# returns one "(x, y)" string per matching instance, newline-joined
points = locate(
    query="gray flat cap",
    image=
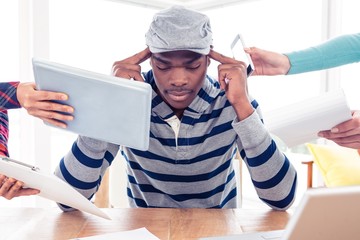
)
(179, 28)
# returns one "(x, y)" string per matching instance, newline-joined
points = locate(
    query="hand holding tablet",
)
(237, 48)
(107, 108)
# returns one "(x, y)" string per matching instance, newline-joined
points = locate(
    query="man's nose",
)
(179, 78)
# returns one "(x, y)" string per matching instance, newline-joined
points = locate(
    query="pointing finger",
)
(137, 58)
(221, 58)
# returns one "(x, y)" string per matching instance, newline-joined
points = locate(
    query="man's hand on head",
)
(232, 75)
(130, 68)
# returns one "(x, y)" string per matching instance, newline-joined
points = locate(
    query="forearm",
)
(4, 133)
(335, 52)
(86, 163)
(8, 97)
(272, 174)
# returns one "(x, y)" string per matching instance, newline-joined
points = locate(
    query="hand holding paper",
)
(346, 134)
(301, 122)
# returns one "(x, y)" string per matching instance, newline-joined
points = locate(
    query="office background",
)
(92, 34)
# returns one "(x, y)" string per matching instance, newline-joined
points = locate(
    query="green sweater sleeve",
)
(335, 52)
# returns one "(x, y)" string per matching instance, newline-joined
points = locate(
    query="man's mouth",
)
(178, 95)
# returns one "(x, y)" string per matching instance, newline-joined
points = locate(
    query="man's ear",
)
(208, 60)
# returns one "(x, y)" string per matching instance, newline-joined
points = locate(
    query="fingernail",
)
(334, 130)
(64, 97)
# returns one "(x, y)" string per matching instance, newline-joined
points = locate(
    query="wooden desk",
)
(34, 223)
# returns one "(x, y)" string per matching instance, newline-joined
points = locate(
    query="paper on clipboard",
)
(50, 186)
(300, 122)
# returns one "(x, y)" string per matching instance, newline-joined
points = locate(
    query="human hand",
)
(130, 67)
(40, 104)
(268, 63)
(346, 134)
(232, 77)
(10, 188)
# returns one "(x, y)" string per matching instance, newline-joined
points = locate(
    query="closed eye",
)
(193, 67)
(162, 68)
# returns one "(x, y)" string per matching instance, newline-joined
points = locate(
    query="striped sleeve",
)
(85, 164)
(8, 97)
(4, 133)
(272, 174)
(8, 100)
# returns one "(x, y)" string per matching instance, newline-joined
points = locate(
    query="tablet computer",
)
(107, 108)
(50, 186)
(237, 48)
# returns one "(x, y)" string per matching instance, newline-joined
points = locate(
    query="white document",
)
(300, 122)
(141, 233)
(50, 186)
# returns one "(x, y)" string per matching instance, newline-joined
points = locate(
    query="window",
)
(350, 74)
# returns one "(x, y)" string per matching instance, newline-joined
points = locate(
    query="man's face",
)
(179, 76)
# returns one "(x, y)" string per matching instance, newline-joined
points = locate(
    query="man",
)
(197, 125)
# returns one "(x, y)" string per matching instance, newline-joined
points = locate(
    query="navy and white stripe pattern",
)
(196, 172)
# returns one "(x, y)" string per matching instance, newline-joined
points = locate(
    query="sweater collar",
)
(209, 91)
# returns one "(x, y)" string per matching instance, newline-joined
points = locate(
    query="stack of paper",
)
(300, 122)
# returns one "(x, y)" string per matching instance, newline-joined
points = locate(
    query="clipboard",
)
(50, 186)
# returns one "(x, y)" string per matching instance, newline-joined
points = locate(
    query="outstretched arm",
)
(268, 63)
(37, 103)
(335, 52)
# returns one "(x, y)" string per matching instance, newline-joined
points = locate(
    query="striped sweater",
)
(195, 169)
(8, 100)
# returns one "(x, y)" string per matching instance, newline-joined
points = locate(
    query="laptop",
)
(107, 108)
(322, 214)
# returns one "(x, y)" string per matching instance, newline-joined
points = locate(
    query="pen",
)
(20, 163)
